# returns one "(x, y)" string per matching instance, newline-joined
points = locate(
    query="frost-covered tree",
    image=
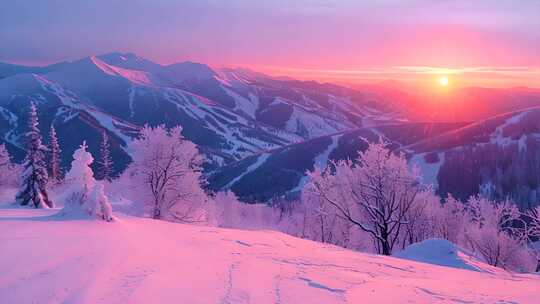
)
(374, 194)
(80, 177)
(9, 172)
(231, 213)
(166, 173)
(87, 197)
(533, 216)
(496, 236)
(320, 222)
(422, 221)
(105, 163)
(54, 156)
(34, 185)
(451, 220)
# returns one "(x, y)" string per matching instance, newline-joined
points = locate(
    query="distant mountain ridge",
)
(228, 113)
(260, 134)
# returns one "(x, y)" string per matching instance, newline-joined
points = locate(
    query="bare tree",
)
(374, 194)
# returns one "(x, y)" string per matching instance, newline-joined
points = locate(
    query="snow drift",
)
(444, 253)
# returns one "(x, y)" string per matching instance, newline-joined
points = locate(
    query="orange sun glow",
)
(443, 81)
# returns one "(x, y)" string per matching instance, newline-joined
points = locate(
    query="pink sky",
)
(483, 42)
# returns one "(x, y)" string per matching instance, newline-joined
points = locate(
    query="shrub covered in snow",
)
(98, 204)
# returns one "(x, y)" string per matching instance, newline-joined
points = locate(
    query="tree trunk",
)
(157, 214)
(385, 248)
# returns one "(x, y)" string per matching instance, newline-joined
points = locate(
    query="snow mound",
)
(443, 253)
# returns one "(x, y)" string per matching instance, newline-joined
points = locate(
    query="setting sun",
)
(443, 81)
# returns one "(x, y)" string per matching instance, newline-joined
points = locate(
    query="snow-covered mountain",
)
(499, 156)
(230, 114)
(50, 259)
(260, 133)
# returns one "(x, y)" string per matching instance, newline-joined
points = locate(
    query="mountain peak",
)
(189, 70)
(129, 61)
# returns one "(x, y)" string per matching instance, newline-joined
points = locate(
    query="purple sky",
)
(346, 38)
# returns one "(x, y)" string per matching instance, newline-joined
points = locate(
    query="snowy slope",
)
(306, 108)
(283, 170)
(138, 260)
(122, 87)
(73, 117)
(501, 130)
(505, 145)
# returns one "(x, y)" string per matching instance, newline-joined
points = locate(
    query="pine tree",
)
(54, 150)
(35, 172)
(105, 163)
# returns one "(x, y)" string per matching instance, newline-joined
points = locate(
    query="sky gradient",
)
(480, 42)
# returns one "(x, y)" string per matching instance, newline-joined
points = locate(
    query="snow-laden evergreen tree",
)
(80, 177)
(87, 196)
(54, 159)
(34, 186)
(105, 163)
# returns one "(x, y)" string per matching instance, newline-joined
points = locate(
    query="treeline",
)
(498, 172)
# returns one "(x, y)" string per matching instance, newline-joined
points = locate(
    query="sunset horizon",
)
(270, 151)
(479, 43)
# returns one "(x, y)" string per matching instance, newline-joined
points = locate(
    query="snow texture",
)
(140, 260)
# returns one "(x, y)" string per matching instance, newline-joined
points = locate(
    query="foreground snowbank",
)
(137, 260)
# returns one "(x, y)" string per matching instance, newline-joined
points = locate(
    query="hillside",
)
(282, 171)
(53, 260)
(497, 156)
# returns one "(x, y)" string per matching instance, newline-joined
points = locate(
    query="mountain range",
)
(260, 134)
